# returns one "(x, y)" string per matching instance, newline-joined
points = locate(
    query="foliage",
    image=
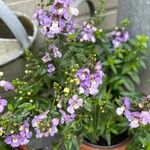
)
(73, 85)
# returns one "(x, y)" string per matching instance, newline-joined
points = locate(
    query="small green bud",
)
(100, 30)
(26, 71)
(71, 80)
(1, 74)
(20, 92)
(21, 98)
(11, 131)
(29, 93)
(31, 100)
(66, 90)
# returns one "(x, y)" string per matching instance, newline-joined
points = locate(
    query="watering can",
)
(13, 40)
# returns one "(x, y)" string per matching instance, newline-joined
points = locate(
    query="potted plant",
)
(121, 76)
(72, 85)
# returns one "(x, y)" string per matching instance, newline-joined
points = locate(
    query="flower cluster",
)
(57, 19)
(22, 138)
(3, 103)
(135, 117)
(47, 58)
(119, 36)
(88, 81)
(56, 51)
(7, 86)
(87, 33)
(43, 127)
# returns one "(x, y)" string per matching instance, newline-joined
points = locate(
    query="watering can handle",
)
(16, 27)
(77, 3)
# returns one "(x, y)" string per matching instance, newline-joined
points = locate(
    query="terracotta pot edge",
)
(108, 147)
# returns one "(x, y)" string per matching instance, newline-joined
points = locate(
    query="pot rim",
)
(108, 147)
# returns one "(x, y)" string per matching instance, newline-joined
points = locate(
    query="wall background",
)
(27, 7)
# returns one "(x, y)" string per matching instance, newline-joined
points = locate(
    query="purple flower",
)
(145, 117)
(83, 73)
(14, 140)
(98, 66)
(93, 90)
(124, 107)
(6, 85)
(70, 28)
(116, 43)
(53, 129)
(87, 33)
(128, 115)
(3, 103)
(37, 119)
(51, 68)
(46, 58)
(56, 51)
(38, 15)
(74, 103)
(133, 118)
(66, 118)
(55, 28)
(55, 122)
(43, 128)
(127, 102)
(119, 37)
(25, 133)
(136, 118)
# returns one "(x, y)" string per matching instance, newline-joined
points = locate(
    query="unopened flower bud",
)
(31, 101)
(71, 81)
(59, 105)
(12, 131)
(66, 90)
(29, 93)
(26, 71)
(140, 105)
(1, 74)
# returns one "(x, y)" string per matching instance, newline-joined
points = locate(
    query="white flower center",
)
(15, 140)
(55, 24)
(60, 10)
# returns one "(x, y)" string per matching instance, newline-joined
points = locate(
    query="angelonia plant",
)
(71, 86)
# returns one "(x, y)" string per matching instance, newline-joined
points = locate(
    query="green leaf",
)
(88, 106)
(68, 144)
(128, 84)
(75, 144)
(11, 107)
(142, 63)
(114, 69)
(24, 105)
(3, 146)
(108, 138)
(117, 61)
(134, 77)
